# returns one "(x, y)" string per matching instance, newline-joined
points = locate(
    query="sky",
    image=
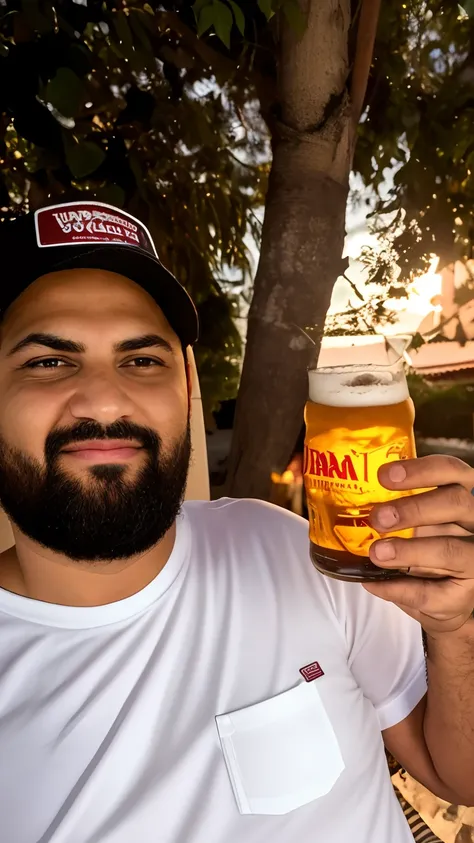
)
(412, 310)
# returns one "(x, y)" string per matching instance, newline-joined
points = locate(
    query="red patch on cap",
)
(312, 671)
(83, 223)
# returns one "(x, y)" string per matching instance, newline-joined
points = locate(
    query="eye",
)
(143, 363)
(46, 363)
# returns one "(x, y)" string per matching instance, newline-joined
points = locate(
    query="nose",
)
(100, 398)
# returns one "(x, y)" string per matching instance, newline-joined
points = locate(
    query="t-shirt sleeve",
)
(385, 652)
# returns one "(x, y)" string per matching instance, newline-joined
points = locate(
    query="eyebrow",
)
(56, 343)
(49, 341)
(145, 341)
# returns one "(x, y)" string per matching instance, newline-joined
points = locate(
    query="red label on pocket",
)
(312, 671)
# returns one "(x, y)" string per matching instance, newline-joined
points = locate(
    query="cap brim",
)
(151, 275)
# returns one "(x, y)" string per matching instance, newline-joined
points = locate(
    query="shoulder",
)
(262, 547)
(248, 520)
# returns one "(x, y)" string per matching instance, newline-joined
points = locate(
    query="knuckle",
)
(455, 463)
(451, 549)
(410, 510)
(415, 505)
(441, 462)
(458, 497)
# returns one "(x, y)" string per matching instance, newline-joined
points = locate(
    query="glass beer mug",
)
(358, 417)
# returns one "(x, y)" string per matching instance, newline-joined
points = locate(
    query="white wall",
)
(198, 477)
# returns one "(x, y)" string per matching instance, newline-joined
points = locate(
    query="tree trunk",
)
(302, 243)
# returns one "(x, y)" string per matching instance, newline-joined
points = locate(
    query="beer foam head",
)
(355, 386)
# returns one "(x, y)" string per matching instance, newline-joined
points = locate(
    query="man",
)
(182, 674)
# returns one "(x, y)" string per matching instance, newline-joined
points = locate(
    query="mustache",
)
(89, 429)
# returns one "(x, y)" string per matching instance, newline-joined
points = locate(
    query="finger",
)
(426, 472)
(447, 503)
(446, 556)
(441, 530)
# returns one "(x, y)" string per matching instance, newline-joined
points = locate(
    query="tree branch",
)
(366, 32)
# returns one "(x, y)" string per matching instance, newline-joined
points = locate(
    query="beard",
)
(106, 516)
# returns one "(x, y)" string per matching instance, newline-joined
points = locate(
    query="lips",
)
(103, 450)
(100, 445)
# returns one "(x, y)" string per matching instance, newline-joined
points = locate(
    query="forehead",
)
(85, 301)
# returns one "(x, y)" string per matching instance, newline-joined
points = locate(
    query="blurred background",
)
(304, 173)
(306, 168)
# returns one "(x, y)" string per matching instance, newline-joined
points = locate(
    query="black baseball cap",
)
(90, 235)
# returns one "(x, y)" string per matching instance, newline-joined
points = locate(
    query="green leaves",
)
(238, 16)
(221, 16)
(65, 92)
(151, 133)
(265, 6)
(295, 16)
(416, 136)
(467, 6)
(111, 194)
(205, 19)
(223, 21)
(124, 35)
(84, 158)
(291, 10)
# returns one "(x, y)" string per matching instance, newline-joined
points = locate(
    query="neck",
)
(32, 571)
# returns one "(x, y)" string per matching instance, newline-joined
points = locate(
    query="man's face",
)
(94, 416)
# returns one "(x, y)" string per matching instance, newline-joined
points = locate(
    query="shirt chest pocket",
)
(280, 753)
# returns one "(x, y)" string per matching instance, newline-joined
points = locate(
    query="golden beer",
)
(357, 419)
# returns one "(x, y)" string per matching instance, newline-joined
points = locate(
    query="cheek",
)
(167, 411)
(25, 420)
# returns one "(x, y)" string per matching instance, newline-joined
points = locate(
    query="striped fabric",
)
(419, 829)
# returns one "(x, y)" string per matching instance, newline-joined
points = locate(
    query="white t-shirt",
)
(179, 715)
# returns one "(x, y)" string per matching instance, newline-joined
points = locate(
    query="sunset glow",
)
(421, 293)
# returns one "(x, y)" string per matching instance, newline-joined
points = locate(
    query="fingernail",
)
(385, 550)
(397, 473)
(387, 516)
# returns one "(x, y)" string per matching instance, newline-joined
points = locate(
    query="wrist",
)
(461, 637)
